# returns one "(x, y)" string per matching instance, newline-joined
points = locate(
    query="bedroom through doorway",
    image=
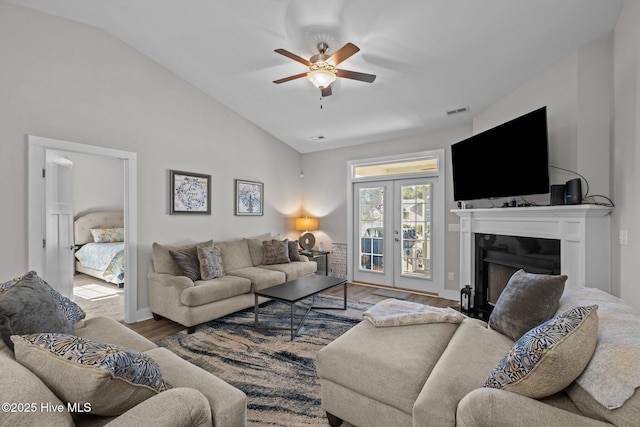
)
(100, 187)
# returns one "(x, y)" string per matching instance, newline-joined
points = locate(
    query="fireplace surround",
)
(581, 232)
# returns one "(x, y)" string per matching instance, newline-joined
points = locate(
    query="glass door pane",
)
(371, 228)
(415, 206)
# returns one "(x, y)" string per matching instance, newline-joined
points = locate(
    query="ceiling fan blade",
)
(293, 56)
(286, 79)
(354, 75)
(326, 91)
(343, 53)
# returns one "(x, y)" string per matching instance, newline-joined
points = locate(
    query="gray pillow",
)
(294, 254)
(528, 300)
(28, 308)
(187, 261)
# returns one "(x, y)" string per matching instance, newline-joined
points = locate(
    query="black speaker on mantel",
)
(573, 192)
(557, 195)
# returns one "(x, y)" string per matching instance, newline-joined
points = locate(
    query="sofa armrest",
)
(304, 258)
(489, 407)
(176, 407)
(167, 283)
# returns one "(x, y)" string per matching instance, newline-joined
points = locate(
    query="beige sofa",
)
(190, 303)
(197, 398)
(432, 374)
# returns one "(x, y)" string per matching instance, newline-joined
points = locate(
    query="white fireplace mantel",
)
(583, 231)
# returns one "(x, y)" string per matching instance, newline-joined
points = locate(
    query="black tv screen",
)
(509, 160)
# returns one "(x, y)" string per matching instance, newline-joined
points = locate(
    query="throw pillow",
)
(549, 357)
(276, 252)
(27, 308)
(111, 379)
(71, 310)
(528, 300)
(294, 254)
(210, 262)
(107, 235)
(187, 261)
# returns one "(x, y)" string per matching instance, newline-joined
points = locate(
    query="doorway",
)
(397, 222)
(393, 228)
(37, 226)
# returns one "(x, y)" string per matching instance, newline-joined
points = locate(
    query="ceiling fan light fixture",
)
(321, 74)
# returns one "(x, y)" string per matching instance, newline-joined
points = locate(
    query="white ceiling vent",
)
(317, 137)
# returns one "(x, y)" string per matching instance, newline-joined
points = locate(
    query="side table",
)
(314, 255)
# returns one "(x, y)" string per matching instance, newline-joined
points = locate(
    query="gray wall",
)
(68, 81)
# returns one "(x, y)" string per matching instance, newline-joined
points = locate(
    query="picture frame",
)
(249, 198)
(190, 193)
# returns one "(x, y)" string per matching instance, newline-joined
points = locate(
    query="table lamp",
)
(307, 240)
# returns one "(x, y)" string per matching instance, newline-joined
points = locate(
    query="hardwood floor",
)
(158, 329)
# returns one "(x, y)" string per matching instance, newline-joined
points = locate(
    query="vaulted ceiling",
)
(429, 56)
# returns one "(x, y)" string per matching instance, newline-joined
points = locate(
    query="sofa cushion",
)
(109, 331)
(162, 260)
(208, 291)
(27, 307)
(260, 278)
(235, 254)
(389, 365)
(210, 262)
(527, 301)
(470, 356)
(549, 357)
(111, 379)
(276, 252)
(18, 385)
(256, 250)
(294, 270)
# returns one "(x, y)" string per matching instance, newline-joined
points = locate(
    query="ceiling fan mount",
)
(322, 67)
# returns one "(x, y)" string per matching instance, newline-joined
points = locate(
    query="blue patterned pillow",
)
(111, 379)
(210, 262)
(549, 357)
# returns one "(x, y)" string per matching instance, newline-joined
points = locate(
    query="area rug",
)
(277, 375)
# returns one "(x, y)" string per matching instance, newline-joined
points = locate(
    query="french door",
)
(392, 233)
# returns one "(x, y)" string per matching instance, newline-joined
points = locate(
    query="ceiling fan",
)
(322, 67)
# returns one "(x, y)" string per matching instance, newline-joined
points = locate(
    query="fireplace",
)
(581, 232)
(499, 256)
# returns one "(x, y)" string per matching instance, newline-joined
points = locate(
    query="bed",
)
(99, 245)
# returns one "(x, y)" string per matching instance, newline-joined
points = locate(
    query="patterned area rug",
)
(278, 375)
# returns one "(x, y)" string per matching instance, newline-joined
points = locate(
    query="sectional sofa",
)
(96, 371)
(191, 301)
(437, 374)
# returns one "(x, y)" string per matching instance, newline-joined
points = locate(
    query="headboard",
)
(105, 219)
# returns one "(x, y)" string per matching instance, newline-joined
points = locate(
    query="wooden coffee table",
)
(297, 290)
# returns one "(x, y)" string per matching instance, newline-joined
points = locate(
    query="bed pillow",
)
(528, 300)
(549, 357)
(276, 252)
(107, 235)
(210, 262)
(111, 379)
(27, 308)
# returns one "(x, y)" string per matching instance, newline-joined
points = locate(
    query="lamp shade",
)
(306, 224)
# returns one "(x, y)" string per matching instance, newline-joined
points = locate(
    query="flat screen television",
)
(509, 160)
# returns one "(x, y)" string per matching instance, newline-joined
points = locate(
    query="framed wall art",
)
(190, 193)
(249, 197)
